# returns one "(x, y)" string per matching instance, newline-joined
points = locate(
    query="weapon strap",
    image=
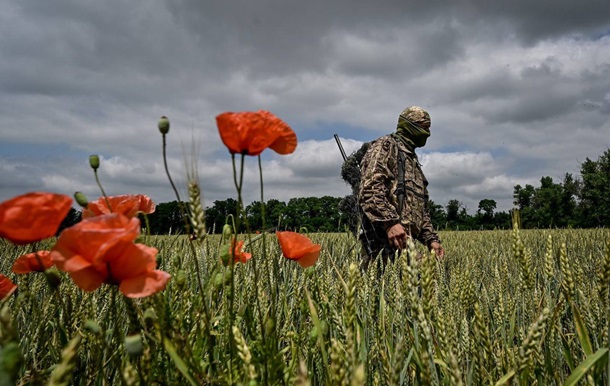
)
(401, 186)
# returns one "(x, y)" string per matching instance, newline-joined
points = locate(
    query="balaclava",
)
(414, 126)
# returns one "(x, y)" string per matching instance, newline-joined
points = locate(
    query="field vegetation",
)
(504, 307)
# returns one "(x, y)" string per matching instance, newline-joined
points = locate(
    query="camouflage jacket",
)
(377, 199)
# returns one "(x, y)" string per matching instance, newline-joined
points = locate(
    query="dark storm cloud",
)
(522, 87)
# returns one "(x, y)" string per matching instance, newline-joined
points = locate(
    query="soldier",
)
(393, 198)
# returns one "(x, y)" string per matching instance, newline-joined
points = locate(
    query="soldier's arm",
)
(377, 174)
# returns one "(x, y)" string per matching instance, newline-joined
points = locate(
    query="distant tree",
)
(274, 213)
(522, 198)
(254, 214)
(314, 213)
(216, 215)
(594, 205)
(546, 204)
(502, 220)
(485, 213)
(437, 215)
(571, 188)
(453, 213)
(166, 218)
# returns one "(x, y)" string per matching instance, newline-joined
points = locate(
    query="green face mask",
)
(412, 132)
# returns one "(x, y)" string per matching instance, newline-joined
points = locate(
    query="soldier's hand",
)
(438, 249)
(397, 236)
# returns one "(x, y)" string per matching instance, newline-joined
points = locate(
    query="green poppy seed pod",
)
(81, 199)
(164, 125)
(227, 230)
(134, 344)
(94, 161)
(218, 280)
(150, 317)
(53, 277)
(92, 327)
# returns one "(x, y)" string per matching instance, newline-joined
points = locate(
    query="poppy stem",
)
(238, 186)
(169, 177)
(266, 371)
(187, 228)
(97, 179)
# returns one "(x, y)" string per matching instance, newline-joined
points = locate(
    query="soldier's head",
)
(414, 124)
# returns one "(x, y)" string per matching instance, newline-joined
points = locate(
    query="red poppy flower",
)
(299, 247)
(252, 132)
(7, 287)
(234, 250)
(31, 262)
(33, 216)
(101, 249)
(129, 205)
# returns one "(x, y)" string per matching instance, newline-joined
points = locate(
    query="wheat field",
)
(504, 307)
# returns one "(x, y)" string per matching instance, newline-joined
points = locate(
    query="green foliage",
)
(595, 195)
(504, 307)
(167, 218)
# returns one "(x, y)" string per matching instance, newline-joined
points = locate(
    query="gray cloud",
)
(516, 91)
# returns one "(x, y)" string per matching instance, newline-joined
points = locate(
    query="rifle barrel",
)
(340, 147)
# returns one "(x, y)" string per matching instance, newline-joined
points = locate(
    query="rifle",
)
(340, 147)
(400, 186)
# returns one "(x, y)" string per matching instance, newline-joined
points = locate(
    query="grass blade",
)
(581, 330)
(180, 364)
(585, 366)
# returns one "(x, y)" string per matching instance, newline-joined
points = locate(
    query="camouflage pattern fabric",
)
(414, 126)
(378, 202)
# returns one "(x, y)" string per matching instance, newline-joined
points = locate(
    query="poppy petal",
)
(88, 278)
(144, 285)
(7, 287)
(93, 237)
(33, 216)
(252, 132)
(129, 205)
(286, 139)
(296, 246)
(30, 262)
(309, 259)
(234, 130)
(135, 260)
(75, 262)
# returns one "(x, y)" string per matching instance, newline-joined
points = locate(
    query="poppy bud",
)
(225, 254)
(53, 277)
(150, 317)
(81, 199)
(222, 278)
(134, 344)
(227, 230)
(164, 125)
(94, 161)
(92, 327)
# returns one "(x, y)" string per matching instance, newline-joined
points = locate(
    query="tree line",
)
(582, 202)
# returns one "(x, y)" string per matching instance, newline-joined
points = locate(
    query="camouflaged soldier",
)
(393, 197)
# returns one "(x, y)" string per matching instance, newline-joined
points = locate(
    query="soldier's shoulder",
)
(386, 142)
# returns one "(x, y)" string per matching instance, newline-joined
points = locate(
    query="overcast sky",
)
(516, 90)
